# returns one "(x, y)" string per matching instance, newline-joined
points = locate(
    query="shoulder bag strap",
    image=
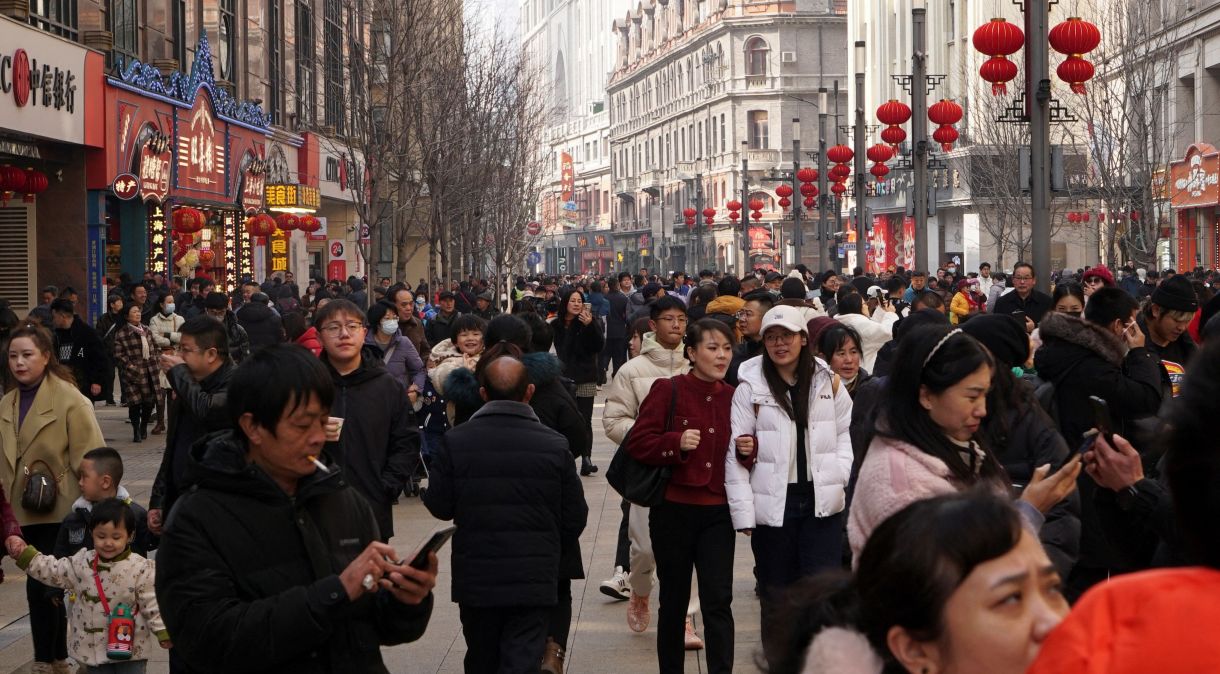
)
(101, 594)
(673, 403)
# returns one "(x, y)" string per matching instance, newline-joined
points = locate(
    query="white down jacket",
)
(757, 495)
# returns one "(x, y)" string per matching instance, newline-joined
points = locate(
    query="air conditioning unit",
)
(787, 57)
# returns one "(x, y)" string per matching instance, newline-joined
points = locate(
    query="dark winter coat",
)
(578, 347)
(616, 321)
(262, 325)
(509, 484)
(1083, 359)
(239, 339)
(413, 329)
(744, 351)
(107, 327)
(1037, 306)
(197, 409)
(379, 445)
(247, 576)
(437, 329)
(80, 348)
(1131, 284)
(552, 401)
(140, 372)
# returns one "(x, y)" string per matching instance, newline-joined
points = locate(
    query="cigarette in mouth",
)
(321, 466)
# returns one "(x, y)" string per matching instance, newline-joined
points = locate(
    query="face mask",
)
(389, 326)
(169, 309)
(419, 303)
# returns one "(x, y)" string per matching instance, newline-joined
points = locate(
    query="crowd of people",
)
(937, 472)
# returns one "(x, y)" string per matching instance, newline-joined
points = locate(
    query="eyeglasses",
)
(780, 338)
(217, 313)
(677, 320)
(334, 329)
(744, 315)
(1096, 280)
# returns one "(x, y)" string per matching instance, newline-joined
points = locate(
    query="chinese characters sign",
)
(277, 251)
(154, 174)
(1195, 181)
(293, 198)
(156, 239)
(40, 84)
(126, 186)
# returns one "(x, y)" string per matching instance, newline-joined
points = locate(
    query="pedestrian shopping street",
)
(600, 641)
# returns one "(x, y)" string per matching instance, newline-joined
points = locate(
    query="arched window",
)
(757, 52)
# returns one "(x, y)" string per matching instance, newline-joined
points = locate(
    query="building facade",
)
(698, 89)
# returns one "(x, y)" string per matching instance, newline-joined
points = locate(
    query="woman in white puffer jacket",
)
(795, 521)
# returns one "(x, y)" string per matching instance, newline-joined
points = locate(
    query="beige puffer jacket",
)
(634, 380)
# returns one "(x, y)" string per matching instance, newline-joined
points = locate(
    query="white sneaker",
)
(616, 586)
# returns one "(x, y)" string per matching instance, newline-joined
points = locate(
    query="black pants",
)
(560, 621)
(615, 351)
(108, 382)
(622, 552)
(505, 639)
(585, 405)
(48, 622)
(686, 538)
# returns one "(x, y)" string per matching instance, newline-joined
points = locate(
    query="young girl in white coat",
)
(787, 480)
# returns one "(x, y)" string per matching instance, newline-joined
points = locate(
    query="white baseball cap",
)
(788, 318)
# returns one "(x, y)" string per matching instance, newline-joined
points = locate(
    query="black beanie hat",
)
(1176, 294)
(1003, 335)
(216, 301)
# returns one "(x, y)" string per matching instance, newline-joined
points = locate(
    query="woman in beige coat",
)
(45, 425)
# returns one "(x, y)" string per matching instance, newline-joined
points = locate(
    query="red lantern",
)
(1075, 71)
(261, 225)
(840, 154)
(880, 153)
(733, 205)
(287, 222)
(838, 189)
(809, 190)
(35, 183)
(734, 215)
(807, 175)
(1086, 216)
(1101, 217)
(688, 213)
(756, 215)
(893, 135)
(784, 202)
(207, 257)
(893, 112)
(1073, 217)
(945, 112)
(811, 202)
(690, 222)
(840, 171)
(309, 224)
(1135, 216)
(12, 180)
(998, 70)
(709, 221)
(879, 171)
(756, 205)
(1074, 37)
(946, 136)
(998, 39)
(709, 213)
(188, 220)
(784, 190)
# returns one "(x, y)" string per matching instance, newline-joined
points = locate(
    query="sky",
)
(487, 14)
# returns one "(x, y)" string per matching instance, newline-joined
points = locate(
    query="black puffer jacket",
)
(196, 409)
(379, 444)
(510, 485)
(262, 325)
(247, 576)
(578, 347)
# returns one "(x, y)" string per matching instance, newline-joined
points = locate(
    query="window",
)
(758, 130)
(702, 138)
(125, 28)
(275, 61)
(756, 56)
(723, 134)
(712, 127)
(356, 61)
(55, 16)
(305, 65)
(179, 32)
(226, 51)
(332, 45)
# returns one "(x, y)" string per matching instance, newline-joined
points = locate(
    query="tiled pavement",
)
(600, 640)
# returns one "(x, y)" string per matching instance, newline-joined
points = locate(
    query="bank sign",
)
(41, 84)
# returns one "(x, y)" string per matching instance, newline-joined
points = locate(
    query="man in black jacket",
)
(199, 378)
(376, 441)
(509, 484)
(617, 329)
(1025, 297)
(78, 347)
(437, 329)
(270, 564)
(217, 307)
(261, 322)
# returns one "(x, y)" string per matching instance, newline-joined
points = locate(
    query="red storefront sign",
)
(126, 186)
(1195, 181)
(154, 173)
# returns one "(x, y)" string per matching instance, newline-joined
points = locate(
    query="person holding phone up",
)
(579, 339)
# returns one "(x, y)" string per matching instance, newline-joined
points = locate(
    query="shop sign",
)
(761, 242)
(154, 173)
(156, 240)
(277, 251)
(201, 151)
(126, 186)
(567, 178)
(254, 180)
(366, 233)
(39, 80)
(1195, 181)
(293, 198)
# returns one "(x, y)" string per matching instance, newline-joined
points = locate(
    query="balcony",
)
(625, 187)
(763, 159)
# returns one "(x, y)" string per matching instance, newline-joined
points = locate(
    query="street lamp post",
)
(698, 256)
(798, 232)
(745, 207)
(861, 136)
(919, 132)
(1038, 95)
(824, 237)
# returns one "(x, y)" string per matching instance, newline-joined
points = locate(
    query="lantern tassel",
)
(999, 89)
(946, 146)
(1078, 88)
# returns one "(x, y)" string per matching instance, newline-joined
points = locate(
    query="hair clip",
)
(939, 344)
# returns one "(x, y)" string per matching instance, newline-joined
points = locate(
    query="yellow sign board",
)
(293, 198)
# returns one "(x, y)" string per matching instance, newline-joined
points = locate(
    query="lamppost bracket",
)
(934, 81)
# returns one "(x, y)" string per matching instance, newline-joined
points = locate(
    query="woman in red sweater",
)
(692, 528)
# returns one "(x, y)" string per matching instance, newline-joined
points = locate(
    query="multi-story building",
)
(569, 42)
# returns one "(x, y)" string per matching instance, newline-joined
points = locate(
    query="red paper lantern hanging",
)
(756, 215)
(1135, 216)
(838, 189)
(880, 153)
(893, 112)
(688, 213)
(709, 213)
(879, 171)
(840, 171)
(1075, 71)
(1101, 217)
(35, 183)
(309, 224)
(784, 190)
(811, 202)
(690, 222)
(1073, 217)
(998, 39)
(945, 112)
(784, 202)
(287, 222)
(807, 175)
(946, 136)
(809, 190)
(709, 221)
(207, 257)
(12, 181)
(734, 215)
(733, 205)
(261, 225)
(893, 135)
(1086, 216)
(840, 154)
(756, 204)
(188, 220)
(1074, 36)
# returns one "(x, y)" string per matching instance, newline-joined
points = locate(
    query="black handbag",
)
(638, 482)
(40, 491)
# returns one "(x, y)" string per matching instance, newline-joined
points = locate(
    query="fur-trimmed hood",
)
(1082, 333)
(462, 388)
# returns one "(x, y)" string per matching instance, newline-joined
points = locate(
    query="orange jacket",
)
(1163, 621)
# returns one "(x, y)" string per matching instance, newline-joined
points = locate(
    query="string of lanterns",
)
(1000, 39)
(28, 182)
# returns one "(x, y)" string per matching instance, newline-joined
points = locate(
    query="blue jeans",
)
(803, 546)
